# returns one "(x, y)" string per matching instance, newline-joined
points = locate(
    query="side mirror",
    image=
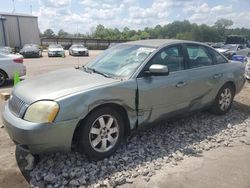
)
(158, 70)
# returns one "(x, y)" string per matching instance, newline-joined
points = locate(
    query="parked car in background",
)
(9, 64)
(217, 45)
(31, 50)
(78, 50)
(112, 44)
(6, 50)
(236, 39)
(247, 71)
(128, 86)
(229, 50)
(56, 50)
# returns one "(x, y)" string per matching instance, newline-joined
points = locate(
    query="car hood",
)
(57, 84)
(222, 50)
(30, 50)
(55, 49)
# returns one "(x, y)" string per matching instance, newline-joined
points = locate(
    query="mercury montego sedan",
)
(128, 86)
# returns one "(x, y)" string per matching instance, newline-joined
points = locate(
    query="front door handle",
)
(217, 76)
(181, 84)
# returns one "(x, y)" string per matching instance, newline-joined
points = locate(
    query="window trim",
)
(179, 45)
(214, 58)
(199, 45)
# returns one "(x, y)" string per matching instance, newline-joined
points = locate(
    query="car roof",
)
(155, 43)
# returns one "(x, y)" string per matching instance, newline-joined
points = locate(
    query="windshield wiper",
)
(98, 72)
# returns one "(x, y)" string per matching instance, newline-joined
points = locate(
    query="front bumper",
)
(39, 138)
(30, 54)
(80, 53)
(56, 53)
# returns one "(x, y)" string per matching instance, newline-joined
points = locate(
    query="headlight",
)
(42, 112)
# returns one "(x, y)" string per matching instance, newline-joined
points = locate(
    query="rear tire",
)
(224, 99)
(101, 133)
(3, 78)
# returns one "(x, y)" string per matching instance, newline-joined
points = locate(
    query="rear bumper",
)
(39, 138)
(20, 68)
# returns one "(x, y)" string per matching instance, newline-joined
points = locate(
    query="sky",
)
(83, 15)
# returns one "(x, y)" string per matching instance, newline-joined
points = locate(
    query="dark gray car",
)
(128, 86)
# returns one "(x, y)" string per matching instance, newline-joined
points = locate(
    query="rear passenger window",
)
(198, 56)
(219, 59)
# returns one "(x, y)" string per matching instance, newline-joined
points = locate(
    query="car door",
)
(160, 96)
(203, 74)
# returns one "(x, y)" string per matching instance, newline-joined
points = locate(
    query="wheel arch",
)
(7, 76)
(232, 84)
(119, 108)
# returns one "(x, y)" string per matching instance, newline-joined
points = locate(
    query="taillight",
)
(18, 60)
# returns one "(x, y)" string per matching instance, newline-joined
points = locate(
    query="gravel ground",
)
(144, 153)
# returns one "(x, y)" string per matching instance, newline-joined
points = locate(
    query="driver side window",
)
(169, 56)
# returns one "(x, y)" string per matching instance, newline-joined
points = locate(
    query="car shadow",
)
(147, 145)
(242, 107)
(8, 85)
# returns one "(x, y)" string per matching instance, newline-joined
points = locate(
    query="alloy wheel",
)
(104, 133)
(2, 78)
(225, 99)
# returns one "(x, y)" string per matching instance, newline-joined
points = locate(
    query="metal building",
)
(18, 29)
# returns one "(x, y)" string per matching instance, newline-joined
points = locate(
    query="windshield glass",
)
(5, 50)
(121, 60)
(55, 46)
(78, 46)
(30, 46)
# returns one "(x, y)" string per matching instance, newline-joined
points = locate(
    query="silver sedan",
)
(127, 87)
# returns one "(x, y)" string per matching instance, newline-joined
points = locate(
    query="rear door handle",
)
(181, 84)
(217, 76)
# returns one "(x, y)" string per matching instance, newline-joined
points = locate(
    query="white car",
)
(78, 49)
(56, 50)
(9, 65)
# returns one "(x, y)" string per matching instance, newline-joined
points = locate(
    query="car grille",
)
(16, 105)
(82, 52)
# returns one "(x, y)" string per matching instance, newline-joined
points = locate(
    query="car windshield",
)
(78, 46)
(2, 55)
(5, 50)
(230, 47)
(30, 46)
(55, 46)
(121, 60)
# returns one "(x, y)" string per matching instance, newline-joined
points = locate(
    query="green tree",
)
(62, 34)
(222, 25)
(100, 32)
(48, 33)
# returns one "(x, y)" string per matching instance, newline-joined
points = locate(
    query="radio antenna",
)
(14, 7)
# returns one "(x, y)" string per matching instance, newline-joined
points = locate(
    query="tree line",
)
(177, 29)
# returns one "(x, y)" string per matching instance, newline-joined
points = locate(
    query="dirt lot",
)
(220, 167)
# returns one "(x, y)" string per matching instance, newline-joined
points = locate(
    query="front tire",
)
(101, 133)
(224, 99)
